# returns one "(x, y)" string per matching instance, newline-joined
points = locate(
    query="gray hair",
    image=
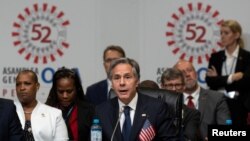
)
(131, 62)
(171, 74)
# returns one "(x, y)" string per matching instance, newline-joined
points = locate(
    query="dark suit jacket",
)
(85, 115)
(86, 112)
(155, 110)
(191, 124)
(213, 109)
(238, 106)
(97, 93)
(10, 126)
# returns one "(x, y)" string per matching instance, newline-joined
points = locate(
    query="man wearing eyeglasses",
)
(99, 92)
(173, 80)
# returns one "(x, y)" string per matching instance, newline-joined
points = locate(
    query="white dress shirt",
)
(195, 96)
(132, 106)
(229, 65)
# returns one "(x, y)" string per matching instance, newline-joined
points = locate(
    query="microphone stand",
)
(116, 125)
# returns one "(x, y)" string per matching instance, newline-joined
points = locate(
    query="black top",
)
(28, 135)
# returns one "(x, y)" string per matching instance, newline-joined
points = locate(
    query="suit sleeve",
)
(216, 82)
(222, 111)
(191, 128)
(61, 132)
(88, 94)
(15, 128)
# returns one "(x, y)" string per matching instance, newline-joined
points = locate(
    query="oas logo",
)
(40, 33)
(193, 32)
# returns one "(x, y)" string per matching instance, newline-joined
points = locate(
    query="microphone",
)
(117, 122)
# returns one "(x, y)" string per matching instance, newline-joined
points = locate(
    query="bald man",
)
(211, 104)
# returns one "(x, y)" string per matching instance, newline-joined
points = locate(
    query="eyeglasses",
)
(177, 86)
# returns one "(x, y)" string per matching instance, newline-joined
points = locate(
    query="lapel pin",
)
(143, 115)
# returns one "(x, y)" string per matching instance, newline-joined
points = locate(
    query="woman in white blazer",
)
(39, 121)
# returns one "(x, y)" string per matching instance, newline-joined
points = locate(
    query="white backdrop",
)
(139, 26)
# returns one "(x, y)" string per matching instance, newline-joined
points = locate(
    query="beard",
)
(191, 85)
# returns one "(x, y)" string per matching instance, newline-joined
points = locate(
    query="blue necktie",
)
(127, 124)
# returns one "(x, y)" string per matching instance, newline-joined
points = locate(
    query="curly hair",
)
(64, 72)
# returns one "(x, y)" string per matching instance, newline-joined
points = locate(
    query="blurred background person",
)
(229, 70)
(149, 84)
(173, 80)
(11, 128)
(99, 92)
(211, 104)
(67, 94)
(39, 121)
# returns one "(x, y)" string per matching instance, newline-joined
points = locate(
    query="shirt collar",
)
(109, 84)
(234, 54)
(132, 103)
(195, 94)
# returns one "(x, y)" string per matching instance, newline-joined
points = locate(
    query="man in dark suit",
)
(130, 113)
(99, 92)
(11, 129)
(211, 104)
(173, 80)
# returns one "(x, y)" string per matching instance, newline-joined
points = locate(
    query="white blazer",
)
(47, 122)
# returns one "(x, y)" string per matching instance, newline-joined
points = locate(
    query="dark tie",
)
(111, 94)
(127, 124)
(190, 103)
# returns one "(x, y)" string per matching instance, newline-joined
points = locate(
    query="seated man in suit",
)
(211, 104)
(99, 92)
(173, 80)
(128, 115)
(11, 128)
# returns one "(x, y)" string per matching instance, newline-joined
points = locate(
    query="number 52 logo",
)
(193, 32)
(40, 33)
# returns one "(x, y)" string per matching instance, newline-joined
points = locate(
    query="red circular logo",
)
(193, 32)
(40, 33)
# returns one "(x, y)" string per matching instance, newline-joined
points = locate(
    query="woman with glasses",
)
(67, 94)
